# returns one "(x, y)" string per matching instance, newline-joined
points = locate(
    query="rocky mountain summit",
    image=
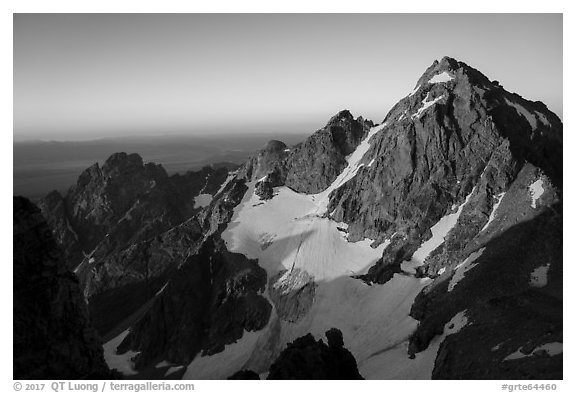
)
(122, 224)
(432, 236)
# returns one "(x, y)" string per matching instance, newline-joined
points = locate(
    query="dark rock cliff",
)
(209, 301)
(213, 298)
(53, 338)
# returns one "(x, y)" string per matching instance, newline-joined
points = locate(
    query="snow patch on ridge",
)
(539, 276)
(551, 349)
(172, 370)
(536, 191)
(439, 231)
(494, 208)
(425, 105)
(414, 91)
(464, 267)
(349, 172)
(523, 112)
(122, 363)
(202, 200)
(543, 118)
(441, 78)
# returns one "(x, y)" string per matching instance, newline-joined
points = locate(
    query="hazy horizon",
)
(93, 76)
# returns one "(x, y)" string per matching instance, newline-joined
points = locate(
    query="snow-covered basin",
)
(289, 232)
(371, 318)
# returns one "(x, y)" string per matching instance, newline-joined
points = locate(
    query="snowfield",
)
(230, 176)
(290, 232)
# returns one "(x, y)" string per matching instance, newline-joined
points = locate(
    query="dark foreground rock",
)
(53, 338)
(245, 374)
(306, 358)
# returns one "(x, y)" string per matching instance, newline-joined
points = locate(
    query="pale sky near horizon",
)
(89, 76)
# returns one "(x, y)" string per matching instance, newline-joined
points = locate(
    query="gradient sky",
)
(93, 76)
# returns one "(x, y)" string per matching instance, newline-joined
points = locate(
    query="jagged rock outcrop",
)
(314, 164)
(209, 301)
(292, 293)
(53, 338)
(306, 358)
(128, 226)
(310, 166)
(267, 164)
(212, 299)
(127, 200)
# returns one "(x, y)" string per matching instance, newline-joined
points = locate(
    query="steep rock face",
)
(132, 275)
(455, 134)
(128, 225)
(506, 276)
(53, 208)
(270, 159)
(126, 200)
(512, 297)
(209, 303)
(292, 293)
(306, 358)
(53, 338)
(314, 164)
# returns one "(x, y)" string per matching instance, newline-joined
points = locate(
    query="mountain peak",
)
(274, 145)
(449, 69)
(123, 160)
(342, 115)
